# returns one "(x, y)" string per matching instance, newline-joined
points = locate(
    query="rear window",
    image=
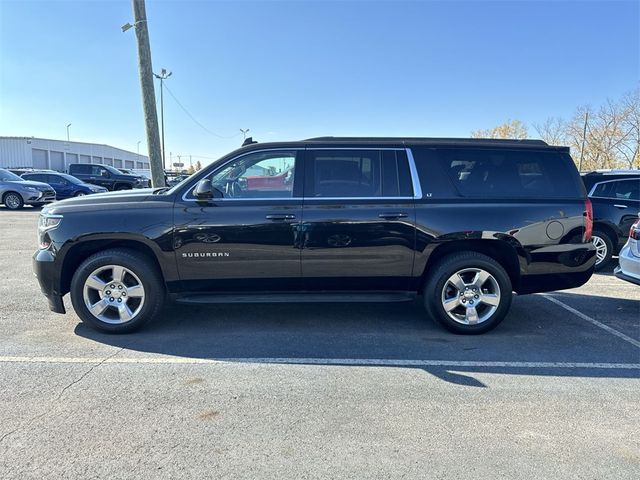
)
(79, 168)
(506, 173)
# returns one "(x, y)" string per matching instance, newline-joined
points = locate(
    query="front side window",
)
(358, 173)
(257, 175)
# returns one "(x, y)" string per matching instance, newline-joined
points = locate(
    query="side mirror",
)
(205, 191)
(104, 173)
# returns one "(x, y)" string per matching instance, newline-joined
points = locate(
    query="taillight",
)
(588, 220)
(634, 231)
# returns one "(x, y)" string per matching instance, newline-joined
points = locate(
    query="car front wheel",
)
(468, 293)
(13, 201)
(117, 290)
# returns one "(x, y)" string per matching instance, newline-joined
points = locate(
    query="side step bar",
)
(302, 297)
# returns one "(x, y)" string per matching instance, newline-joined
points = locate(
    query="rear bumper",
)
(629, 264)
(558, 267)
(46, 271)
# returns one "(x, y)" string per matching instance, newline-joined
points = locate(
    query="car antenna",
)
(248, 141)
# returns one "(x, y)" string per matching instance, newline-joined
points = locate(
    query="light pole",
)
(68, 131)
(164, 74)
(244, 133)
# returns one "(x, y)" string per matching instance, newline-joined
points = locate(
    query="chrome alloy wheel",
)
(113, 294)
(601, 248)
(471, 296)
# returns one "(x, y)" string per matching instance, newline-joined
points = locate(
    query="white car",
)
(629, 263)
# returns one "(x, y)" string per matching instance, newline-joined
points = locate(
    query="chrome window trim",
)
(415, 181)
(595, 185)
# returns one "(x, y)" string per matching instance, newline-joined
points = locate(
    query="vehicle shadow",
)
(537, 338)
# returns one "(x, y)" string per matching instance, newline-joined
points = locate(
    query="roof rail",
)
(430, 139)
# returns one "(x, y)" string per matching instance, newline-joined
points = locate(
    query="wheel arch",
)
(501, 251)
(79, 252)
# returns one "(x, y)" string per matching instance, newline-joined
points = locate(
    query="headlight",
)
(47, 223)
(31, 189)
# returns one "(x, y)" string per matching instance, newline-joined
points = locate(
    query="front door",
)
(358, 229)
(247, 239)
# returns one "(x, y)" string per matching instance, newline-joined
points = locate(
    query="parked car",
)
(628, 268)
(66, 186)
(615, 196)
(16, 192)
(464, 223)
(106, 176)
(145, 174)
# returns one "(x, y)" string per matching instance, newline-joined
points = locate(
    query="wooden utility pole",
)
(584, 138)
(148, 93)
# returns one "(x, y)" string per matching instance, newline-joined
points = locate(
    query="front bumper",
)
(37, 198)
(45, 270)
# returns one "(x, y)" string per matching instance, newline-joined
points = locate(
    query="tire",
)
(13, 201)
(37, 205)
(111, 293)
(604, 249)
(494, 286)
(122, 187)
(79, 194)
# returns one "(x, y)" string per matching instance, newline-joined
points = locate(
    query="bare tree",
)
(510, 129)
(553, 131)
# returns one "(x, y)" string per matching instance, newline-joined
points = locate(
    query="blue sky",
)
(291, 70)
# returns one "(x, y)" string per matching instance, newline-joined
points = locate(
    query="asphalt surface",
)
(317, 391)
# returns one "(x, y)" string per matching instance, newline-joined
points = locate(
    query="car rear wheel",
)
(604, 249)
(79, 194)
(468, 293)
(13, 201)
(123, 187)
(117, 291)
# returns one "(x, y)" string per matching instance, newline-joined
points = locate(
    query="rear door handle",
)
(389, 215)
(620, 206)
(280, 217)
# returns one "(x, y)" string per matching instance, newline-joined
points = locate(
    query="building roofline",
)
(71, 141)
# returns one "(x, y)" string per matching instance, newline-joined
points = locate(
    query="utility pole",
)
(68, 131)
(584, 137)
(148, 93)
(162, 76)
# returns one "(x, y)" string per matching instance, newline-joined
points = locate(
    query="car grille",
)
(48, 195)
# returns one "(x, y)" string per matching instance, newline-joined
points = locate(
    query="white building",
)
(42, 153)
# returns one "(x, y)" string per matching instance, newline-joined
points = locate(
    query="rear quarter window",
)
(496, 173)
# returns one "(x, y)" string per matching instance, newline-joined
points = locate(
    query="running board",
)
(302, 297)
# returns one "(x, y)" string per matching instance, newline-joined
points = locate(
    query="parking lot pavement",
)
(318, 391)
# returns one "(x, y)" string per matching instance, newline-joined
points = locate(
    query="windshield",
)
(115, 171)
(70, 178)
(7, 176)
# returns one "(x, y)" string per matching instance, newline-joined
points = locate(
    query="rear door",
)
(358, 228)
(248, 239)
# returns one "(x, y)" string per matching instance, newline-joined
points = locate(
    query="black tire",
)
(14, 199)
(497, 288)
(603, 242)
(122, 187)
(142, 267)
(79, 194)
(37, 205)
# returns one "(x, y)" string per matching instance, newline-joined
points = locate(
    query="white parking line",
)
(593, 321)
(320, 361)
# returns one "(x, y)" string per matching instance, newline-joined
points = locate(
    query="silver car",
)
(16, 192)
(629, 257)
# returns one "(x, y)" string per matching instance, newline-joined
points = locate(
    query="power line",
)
(196, 121)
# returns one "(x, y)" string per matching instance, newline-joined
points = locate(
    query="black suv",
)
(615, 196)
(464, 223)
(106, 176)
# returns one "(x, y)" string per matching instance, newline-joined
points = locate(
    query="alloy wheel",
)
(470, 296)
(601, 248)
(12, 201)
(113, 294)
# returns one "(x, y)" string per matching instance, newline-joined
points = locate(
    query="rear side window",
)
(619, 190)
(358, 173)
(80, 168)
(506, 173)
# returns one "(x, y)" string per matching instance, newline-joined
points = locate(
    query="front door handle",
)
(280, 217)
(620, 206)
(389, 215)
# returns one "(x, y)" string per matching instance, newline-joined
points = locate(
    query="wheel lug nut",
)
(471, 302)
(113, 286)
(119, 300)
(124, 294)
(111, 299)
(119, 287)
(108, 292)
(464, 301)
(477, 296)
